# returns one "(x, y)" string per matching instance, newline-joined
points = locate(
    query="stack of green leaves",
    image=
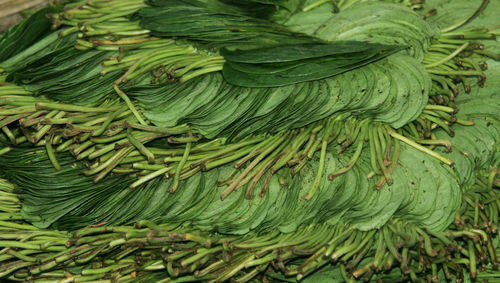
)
(249, 140)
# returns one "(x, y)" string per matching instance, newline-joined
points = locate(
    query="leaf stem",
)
(180, 166)
(420, 147)
(449, 57)
(129, 104)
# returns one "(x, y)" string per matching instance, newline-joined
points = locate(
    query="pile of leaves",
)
(257, 140)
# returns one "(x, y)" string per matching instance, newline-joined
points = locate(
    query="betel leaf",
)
(26, 33)
(284, 65)
(262, 8)
(376, 21)
(282, 3)
(288, 53)
(67, 74)
(363, 93)
(217, 23)
(47, 45)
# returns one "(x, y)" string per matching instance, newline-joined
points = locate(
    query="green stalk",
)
(419, 147)
(129, 103)
(140, 147)
(149, 177)
(111, 163)
(180, 166)
(51, 154)
(73, 108)
(319, 175)
(235, 183)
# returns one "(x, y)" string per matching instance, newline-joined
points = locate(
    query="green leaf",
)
(284, 65)
(26, 33)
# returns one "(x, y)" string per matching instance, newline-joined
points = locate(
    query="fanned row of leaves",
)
(248, 140)
(211, 110)
(307, 62)
(166, 252)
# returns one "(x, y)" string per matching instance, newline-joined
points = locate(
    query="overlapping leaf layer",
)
(249, 140)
